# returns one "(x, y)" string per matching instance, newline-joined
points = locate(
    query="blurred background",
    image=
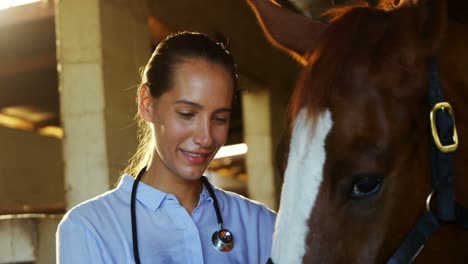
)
(69, 71)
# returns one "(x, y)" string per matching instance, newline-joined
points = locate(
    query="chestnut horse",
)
(363, 154)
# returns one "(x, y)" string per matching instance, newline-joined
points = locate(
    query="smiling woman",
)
(170, 213)
(189, 126)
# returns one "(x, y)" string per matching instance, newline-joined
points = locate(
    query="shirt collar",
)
(150, 196)
(205, 195)
(147, 195)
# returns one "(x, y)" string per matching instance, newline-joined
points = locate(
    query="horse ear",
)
(287, 30)
(432, 22)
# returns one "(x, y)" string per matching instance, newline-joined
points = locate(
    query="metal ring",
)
(428, 201)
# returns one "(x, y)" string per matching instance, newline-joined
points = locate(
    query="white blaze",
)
(302, 180)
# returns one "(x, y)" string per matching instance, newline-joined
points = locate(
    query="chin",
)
(193, 175)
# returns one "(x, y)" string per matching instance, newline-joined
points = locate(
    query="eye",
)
(185, 115)
(365, 185)
(221, 119)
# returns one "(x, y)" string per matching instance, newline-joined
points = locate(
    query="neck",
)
(187, 192)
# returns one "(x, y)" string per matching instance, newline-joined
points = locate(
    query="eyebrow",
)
(183, 101)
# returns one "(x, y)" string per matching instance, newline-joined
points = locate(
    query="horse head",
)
(358, 172)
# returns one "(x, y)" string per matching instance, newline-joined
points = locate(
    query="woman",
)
(185, 104)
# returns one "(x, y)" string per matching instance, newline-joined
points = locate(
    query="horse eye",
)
(365, 185)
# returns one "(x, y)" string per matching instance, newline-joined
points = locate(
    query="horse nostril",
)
(365, 185)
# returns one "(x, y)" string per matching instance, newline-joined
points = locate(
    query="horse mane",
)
(356, 32)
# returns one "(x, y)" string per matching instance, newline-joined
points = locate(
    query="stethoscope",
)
(222, 240)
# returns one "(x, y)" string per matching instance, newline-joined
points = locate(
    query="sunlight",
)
(14, 122)
(51, 131)
(4, 4)
(231, 150)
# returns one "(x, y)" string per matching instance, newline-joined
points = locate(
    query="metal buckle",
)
(444, 148)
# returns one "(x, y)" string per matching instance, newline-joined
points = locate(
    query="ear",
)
(145, 103)
(289, 31)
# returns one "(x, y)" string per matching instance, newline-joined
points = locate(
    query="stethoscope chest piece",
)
(223, 240)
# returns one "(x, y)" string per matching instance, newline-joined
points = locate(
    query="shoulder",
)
(243, 204)
(88, 214)
(251, 221)
(83, 234)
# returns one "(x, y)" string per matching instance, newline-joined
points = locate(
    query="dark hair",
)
(158, 76)
(175, 49)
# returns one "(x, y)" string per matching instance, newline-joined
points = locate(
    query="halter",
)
(444, 143)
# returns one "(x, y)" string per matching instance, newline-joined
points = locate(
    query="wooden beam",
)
(15, 66)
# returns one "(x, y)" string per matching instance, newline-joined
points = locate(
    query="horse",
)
(369, 178)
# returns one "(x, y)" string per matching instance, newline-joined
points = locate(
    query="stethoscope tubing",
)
(208, 186)
(136, 254)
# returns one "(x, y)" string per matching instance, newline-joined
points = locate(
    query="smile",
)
(195, 158)
(193, 154)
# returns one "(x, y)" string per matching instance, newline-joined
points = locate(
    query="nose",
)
(203, 134)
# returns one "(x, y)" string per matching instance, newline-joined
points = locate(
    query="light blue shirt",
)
(99, 230)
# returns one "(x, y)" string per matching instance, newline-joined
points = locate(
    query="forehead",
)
(365, 104)
(200, 80)
(360, 74)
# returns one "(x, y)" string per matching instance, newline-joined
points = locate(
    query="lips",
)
(195, 158)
